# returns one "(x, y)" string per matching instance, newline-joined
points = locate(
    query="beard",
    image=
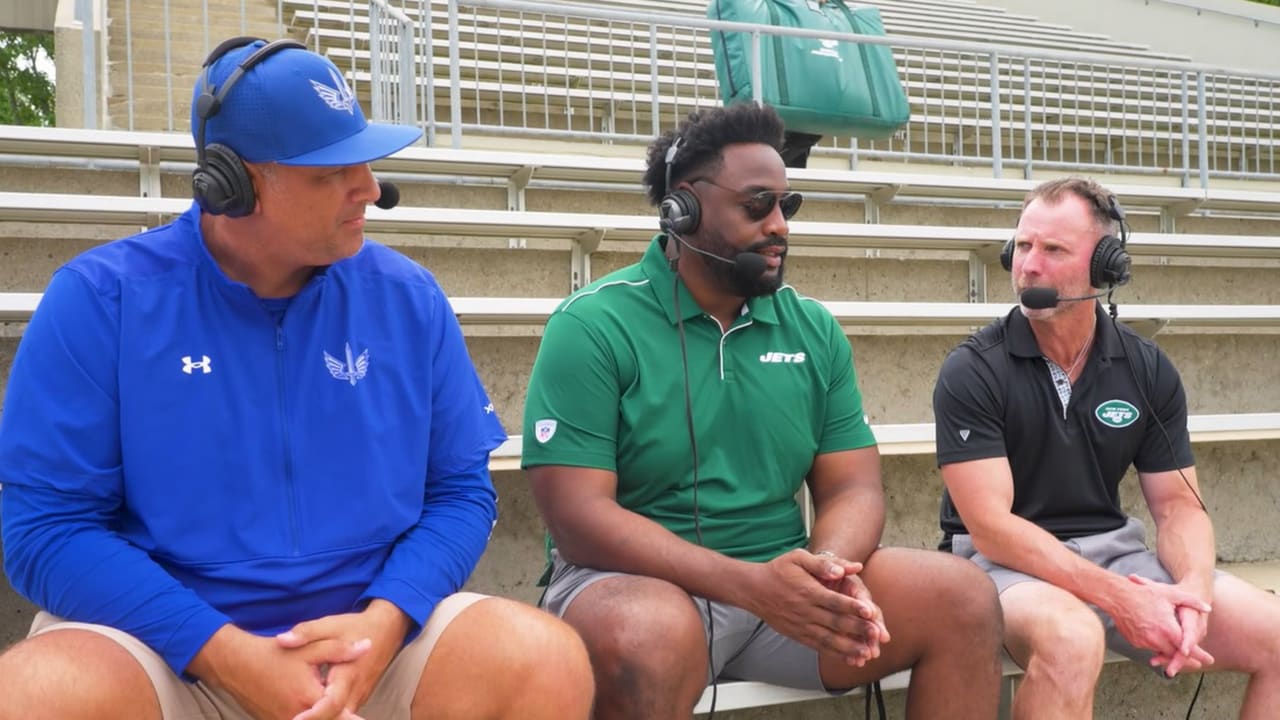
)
(730, 278)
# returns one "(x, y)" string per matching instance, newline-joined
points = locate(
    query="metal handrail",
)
(687, 21)
(521, 68)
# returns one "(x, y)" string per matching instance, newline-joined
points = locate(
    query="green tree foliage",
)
(26, 92)
(1268, 2)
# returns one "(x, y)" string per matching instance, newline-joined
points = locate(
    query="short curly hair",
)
(704, 135)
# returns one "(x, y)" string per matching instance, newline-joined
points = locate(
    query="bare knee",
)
(74, 674)
(551, 661)
(1067, 651)
(530, 663)
(938, 602)
(966, 601)
(646, 642)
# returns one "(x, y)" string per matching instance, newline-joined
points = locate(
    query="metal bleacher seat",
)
(591, 228)
(150, 149)
(565, 43)
(17, 306)
(563, 64)
(608, 73)
(959, 22)
(918, 438)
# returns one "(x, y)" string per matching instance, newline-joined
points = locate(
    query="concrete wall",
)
(28, 14)
(68, 43)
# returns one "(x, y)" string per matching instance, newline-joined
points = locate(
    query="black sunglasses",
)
(759, 205)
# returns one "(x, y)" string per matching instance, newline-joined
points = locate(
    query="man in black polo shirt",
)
(1039, 416)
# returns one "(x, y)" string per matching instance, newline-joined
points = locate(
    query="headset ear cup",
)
(667, 211)
(1006, 256)
(679, 213)
(1109, 266)
(223, 186)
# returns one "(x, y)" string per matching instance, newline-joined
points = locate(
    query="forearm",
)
(219, 655)
(602, 534)
(849, 524)
(1021, 545)
(435, 557)
(60, 555)
(1185, 546)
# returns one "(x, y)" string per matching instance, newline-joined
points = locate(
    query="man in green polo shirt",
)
(675, 408)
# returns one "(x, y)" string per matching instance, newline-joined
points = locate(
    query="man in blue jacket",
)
(244, 455)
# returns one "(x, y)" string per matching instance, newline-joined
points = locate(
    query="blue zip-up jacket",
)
(177, 454)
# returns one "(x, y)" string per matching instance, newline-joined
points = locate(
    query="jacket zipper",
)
(292, 499)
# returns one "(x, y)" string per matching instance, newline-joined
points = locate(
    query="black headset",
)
(1109, 266)
(220, 183)
(679, 212)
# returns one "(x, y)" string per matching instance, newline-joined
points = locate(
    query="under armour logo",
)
(202, 365)
(488, 409)
(354, 369)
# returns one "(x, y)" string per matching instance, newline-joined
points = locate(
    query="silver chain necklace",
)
(1084, 349)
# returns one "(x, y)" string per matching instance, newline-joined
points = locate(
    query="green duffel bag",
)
(822, 87)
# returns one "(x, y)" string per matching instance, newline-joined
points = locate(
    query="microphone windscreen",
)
(1039, 298)
(749, 266)
(389, 195)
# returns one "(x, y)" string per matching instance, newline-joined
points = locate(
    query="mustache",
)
(772, 241)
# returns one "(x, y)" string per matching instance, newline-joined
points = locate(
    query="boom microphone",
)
(747, 265)
(1040, 298)
(388, 195)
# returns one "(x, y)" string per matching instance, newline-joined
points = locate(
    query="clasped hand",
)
(323, 669)
(1168, 620)
(820, 601)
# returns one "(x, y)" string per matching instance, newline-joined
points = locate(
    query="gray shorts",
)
(1122, 551)
(745, 647)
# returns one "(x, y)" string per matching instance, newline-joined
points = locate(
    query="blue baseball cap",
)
(293, 108)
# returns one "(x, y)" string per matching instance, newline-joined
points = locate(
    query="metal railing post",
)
(455, 79)
(168, 66)
(1201, 120)
(655, 112)
(408, 114)
(1028, 136)
(376, 80)
(429, 73)
(757, 82)
(997, 157)
(128, 59)
(1186, 133)
(89, 64)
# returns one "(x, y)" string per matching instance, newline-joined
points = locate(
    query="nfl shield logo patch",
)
(544, 429)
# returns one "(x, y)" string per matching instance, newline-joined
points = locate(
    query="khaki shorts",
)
(182, 700)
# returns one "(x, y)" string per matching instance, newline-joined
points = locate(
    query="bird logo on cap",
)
(338, 97)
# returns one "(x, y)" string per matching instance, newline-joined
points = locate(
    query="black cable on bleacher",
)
(872, 688)
(1146, 402)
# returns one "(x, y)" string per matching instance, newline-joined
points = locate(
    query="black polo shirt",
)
(995, 397)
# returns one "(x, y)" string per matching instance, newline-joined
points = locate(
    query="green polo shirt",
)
(770, 393)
